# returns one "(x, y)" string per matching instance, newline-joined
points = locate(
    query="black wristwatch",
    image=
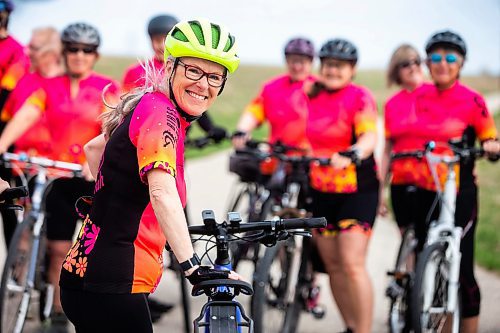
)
(190, 263)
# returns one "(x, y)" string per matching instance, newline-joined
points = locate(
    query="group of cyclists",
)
(132, 141)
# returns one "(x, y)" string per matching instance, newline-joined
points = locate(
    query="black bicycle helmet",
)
(161, 24)
(6, 5)
(446, 38)
(339, 49)
(300, 46)
(81, 33)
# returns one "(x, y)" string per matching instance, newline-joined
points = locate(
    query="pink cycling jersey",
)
(134, 75)
(35, 141)
(283, 103)
(441, 116)
(73, 121)
(336, 119)
(13, 63)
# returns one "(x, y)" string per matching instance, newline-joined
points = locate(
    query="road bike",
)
(222, 313)
(24, 276)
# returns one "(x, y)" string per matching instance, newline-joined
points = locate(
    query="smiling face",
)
(80, 59)
(410, 73)
(194, 97)
(299, 66)
(444, 66)
(336, 74)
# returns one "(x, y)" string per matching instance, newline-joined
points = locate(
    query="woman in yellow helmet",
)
(137, 162)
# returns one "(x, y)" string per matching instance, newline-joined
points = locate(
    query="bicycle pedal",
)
(393, 290)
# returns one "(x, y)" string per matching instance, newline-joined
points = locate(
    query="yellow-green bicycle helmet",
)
(202, 39)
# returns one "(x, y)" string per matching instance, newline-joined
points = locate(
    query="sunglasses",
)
(409, 63)
(86, 50)
(194, 73)
(450, 58)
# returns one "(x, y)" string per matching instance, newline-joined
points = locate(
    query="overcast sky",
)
(262, 27)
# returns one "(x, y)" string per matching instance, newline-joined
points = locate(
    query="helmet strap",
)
(188, 117)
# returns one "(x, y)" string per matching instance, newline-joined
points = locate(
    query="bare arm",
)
(22, 121)
(246, 124)
(93, 152)
(168, 210)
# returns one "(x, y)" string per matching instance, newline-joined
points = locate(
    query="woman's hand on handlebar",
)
(340, 162)
(239, 139)
(199, 274)
(491, 148)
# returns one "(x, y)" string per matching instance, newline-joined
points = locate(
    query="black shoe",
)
(157, 306)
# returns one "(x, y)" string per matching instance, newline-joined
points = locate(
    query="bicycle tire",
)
(430, 290)
(399, 291)
(15, 291)
(270, 284)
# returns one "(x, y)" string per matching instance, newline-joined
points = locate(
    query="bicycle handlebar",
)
(211, 228)
(42, 161)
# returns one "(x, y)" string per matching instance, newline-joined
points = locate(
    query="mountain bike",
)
(434, 300)
(284, 276)
(222, 313)
(24, 276)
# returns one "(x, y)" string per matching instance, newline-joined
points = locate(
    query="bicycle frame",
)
(443, 229)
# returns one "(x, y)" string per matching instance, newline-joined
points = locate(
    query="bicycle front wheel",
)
(271, 288)
(16, 287)
(399, 289)
(430, 291)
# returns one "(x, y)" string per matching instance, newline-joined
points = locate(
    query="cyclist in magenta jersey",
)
(45, 54)
(13, 61)
(158, 28)
(282, 101)
(71, 104)
(342, 116)
(405, 71)
(138, 162)
(449, 110)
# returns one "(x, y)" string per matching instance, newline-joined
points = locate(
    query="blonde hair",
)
(49, 39)
(403, 53)
(154, 80)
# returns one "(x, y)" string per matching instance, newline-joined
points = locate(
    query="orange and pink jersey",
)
(283, 103)
(73, 120)
(14, 63)
(134, 75)
(120, 246)
(336, 120)
(438, 116)
(36, 141)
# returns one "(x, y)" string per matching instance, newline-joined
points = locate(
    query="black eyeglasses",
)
(86, 50)
(409, 63)
(195, 73)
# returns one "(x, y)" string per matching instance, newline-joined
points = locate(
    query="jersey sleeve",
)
(256, 108)
(154, 130)
(482, 120)
(16, 70)
(365, 118)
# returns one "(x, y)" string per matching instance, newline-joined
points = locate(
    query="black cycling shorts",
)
(105, 313)
(345, 211)
(60, 213)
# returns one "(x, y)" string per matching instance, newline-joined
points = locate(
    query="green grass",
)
(488, 229)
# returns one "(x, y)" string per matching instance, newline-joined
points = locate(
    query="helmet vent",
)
(198, 32)
(215, 35)
(179, 35)
(229, 43)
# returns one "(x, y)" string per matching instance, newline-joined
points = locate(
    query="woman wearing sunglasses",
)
(70, 105)
(444, 111)
(139, 162)
(342, 116)
(404, 71)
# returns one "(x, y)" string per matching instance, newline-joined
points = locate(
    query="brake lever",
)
(301, 233)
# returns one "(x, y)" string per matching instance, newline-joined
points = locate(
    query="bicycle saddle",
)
(206, 287)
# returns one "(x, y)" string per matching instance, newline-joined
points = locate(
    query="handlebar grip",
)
(14, 193)
(299, 223)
